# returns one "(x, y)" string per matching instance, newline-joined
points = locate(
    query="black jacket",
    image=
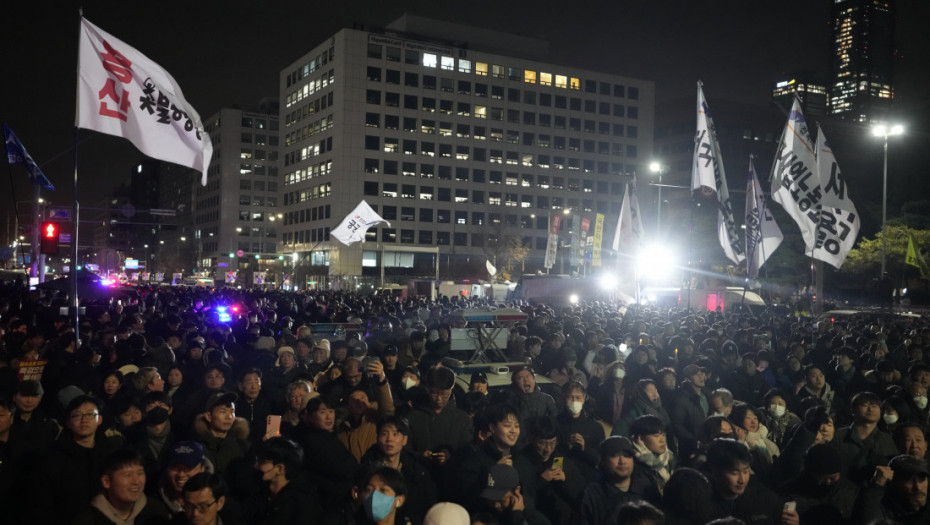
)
(687, 416)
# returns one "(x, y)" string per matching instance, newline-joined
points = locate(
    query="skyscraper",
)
(457, 143)
(861, 87)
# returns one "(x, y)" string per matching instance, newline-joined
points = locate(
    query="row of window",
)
(258, 169)
(258, 200)
(307, 69)
(306, 237)
(480, 197)
(308, 109)
(481, 90)
(485, 69)
(466, 109)
(430, 171)
(306, 194)
(257, 216)
(258, 154)
(310, 172)
(306, 215)
(460, 130)
(258, 185)
(464, 152)
(304, 132)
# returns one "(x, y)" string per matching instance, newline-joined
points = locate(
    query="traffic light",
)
(49, 239)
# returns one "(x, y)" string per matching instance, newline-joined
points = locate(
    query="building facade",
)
(861, 87)
(456, 146)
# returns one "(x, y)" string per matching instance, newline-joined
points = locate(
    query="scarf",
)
(657, 462)
(156, 442)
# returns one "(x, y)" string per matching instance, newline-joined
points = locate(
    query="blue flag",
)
(16, 154)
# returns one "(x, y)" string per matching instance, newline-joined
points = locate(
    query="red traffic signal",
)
(49, 239)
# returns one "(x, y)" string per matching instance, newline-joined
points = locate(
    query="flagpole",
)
(75, 207)
(9, 170)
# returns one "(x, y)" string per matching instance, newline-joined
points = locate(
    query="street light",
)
(660, 169)
(884, 131)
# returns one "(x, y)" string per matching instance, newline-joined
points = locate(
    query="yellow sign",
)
(598, 237)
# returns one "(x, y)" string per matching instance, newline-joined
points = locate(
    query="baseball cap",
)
(219, 398)
(446, 513)
(501, 480)
(692, 369)
(617, 445)
(187, 453)
(906, 466)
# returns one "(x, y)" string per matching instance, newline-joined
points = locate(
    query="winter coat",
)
(329, 463)
(687, 417)
(421, 488)
(601, 499)
(222, 451)
(592, 432)
(757, 505)
(450, 429)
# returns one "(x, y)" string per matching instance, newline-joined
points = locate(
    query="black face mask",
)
(156, 416)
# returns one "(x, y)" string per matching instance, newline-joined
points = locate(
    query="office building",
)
(459, 144)
(861, 87)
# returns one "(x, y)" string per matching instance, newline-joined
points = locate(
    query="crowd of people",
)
(178, 405)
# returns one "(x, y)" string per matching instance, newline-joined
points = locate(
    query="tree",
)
(865, 259)
(505, 252)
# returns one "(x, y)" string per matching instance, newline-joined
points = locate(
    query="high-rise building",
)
(235, 217)
(460, 145)
(861, 87)
(813, 96)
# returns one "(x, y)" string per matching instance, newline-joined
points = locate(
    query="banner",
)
(598, 238)
(794, 180)
(707, 169)
(552, 245)
(839, 222)
(16, 154)
(583, 244)
(352, 229)
(763, 236)
(492, 271)
(31, 370)
(915, 257)
(123, 93)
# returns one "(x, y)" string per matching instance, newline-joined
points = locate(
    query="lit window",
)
(481, 69)
(575, 84)
(447, 63)
(497, 71)
(529, 77)
(561, 81)
(481, 111)
(429, 60)
(464, 66)
(545, 79)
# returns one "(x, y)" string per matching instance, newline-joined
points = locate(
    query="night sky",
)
(230, 53)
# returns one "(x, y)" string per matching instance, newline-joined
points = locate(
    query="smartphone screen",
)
(557, 462)
(273, 425)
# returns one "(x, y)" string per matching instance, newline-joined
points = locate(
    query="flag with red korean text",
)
(552, 244)
(123, 93)
(352, 229)
(763, 236)
(839, 222)
(707, 175)
(794, 181)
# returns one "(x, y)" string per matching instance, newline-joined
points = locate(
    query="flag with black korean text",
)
(708, 176)
(839, 222)
(763, 236)
(794, 180)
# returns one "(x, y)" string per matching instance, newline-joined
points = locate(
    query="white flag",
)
(708, 175)
(763, 236)
(629, 232)
(353, 227)
(123, 93)
(795, 184)
(839, 222)
(491, 269)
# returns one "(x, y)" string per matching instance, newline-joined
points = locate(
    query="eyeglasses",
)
(200, 508)
(85, 416)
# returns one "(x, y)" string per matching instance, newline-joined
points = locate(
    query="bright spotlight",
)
(609, 282)
(573, 298)
(655, 261)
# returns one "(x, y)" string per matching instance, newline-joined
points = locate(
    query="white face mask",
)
(575, 407)
(777, 410)
(891, 419)
(920, 401)
(619, 373)
(409, 383)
